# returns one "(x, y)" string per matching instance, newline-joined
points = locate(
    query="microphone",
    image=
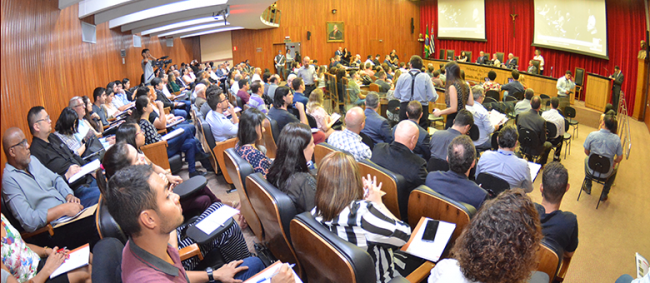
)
(552, 71)
(606, 71)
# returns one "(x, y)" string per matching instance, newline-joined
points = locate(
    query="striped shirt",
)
(364, 225)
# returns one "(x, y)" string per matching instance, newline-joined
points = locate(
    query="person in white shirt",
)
(564, 87)
(234, 88)
(481, 120)
(257, 76)
(222, 127)
(505, 232)
(553, 116)
(538, 56)
(369, 60)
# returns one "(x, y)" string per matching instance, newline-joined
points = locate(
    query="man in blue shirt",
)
(605, 143)
(455, 183)
(299, 88)
(222, 127)
(513, 87)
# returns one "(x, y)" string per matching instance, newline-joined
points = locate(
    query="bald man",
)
(399, 158)
(349, 139)
(37, 196)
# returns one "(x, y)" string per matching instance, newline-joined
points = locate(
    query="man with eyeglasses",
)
(222, 127)
(37, 196)
(57, 157)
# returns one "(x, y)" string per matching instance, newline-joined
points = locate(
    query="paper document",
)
(497, 117)
(534, 170)
(237, 109)
(88, 211)
(86, 169)
(216, 219)
(335, 116)
(426, 249)
(265, 275)
(78, 257)
(173, 134)
(642, 266)
(314, 130)
(176, 122)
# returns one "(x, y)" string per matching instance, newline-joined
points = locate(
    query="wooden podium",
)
(598, 93)
(641, 88)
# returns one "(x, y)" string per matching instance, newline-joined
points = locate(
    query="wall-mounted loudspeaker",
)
(412, 26)
(308, 35)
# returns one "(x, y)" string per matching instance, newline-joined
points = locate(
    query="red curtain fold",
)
(625, 29)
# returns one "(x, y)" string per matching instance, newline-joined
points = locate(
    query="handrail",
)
(624, 126)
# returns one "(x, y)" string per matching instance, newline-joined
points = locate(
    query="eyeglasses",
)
(44, 119)
(21, 143)
(78, 105)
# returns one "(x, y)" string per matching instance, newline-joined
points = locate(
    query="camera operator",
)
(147, 66)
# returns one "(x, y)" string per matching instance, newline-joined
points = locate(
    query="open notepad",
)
(534, 170)
(497, 118)
(429, 250)
(88, 211)
(77, 258)
(173, 134)
(86, 169)
(216, 219)
(265, 275)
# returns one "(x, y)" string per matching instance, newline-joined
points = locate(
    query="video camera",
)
(162, 63)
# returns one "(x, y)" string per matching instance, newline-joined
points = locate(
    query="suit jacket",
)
(618, 81)
(532, 69)
(422, 148)
(377, 127)
(163, 98)
(482, 60)
(399, 159)
(511, 63)
(57, 157)
(533, 121)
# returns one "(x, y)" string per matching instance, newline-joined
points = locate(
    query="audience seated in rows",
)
(37, 196)
(109, 107)
(99, 99)
(377, 127)
(57, 157)
(414, 114)
(532, 120)
(381, 81)
(316, 110)
(455, 183)
(223, 127)
(158, 118)
(92, 118)
(560, 226)
(121, 101)
(242, 93)
(298, 86)
(349, 139)
(440, 139)
(491, 84)
(290, 171)
(524, 105)
(84, 129)
(504, 164)
(513, 87)
(607, 143)
(147, 211)
(553, 115)
(282, 99)
(399, 158)
(256, 100)
(212, 90)
(435, 79)
(499, 245)
(360, 217)
(481, 120)
(67, 126)
(250, 135)
(185, 142)
(177, 108)
(201, 97)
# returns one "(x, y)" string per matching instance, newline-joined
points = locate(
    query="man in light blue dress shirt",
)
(222, 127)
(415, 85)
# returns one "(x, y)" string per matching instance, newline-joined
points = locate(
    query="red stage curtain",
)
(625, 29)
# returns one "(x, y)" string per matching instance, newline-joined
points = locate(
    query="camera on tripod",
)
(162, 62)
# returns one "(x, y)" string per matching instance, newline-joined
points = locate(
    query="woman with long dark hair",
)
(184, 142)
(92, 117)
(499, 245)
(351, 207)
(457, 94)
(289, 171)
(66, 126)
(249, 136)
(231, 243)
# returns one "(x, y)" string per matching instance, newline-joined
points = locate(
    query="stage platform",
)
(586, 116)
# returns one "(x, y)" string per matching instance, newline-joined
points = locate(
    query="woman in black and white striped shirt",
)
(351, 207)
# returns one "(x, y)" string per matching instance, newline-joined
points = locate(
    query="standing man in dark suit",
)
(531, 120)
(482, 59)
(399, 158)
(616, 87)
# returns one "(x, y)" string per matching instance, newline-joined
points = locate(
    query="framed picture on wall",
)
(335, 32)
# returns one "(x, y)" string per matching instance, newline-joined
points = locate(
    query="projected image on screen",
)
(461, 19)
(579, 26)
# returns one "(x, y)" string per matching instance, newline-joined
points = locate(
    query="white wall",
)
(216, 47)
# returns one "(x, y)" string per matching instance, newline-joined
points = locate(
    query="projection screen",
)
(461, 19)
(578, 26)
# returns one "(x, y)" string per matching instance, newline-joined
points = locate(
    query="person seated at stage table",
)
(495, 61)
(491, 84)
(37, 196)
(462, 57)
(290, 170)
(531, 68)
(511, 63)
(455, 183)
(504, 233)
(504, 164)
(482, 59)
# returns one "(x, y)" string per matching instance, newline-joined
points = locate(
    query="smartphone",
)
(430, 231)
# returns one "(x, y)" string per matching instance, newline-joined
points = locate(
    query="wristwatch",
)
(210, 277)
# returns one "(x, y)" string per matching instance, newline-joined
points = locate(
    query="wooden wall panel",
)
(44, 61)
(371, 27)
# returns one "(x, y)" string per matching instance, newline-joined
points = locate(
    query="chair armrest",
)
(162, 132)
(190, 251)
(566, 260)
(48, 228)
(421, 272)
(167, 110)
(157, 153)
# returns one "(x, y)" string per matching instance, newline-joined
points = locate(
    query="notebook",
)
(77, 258)
(429, 250)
